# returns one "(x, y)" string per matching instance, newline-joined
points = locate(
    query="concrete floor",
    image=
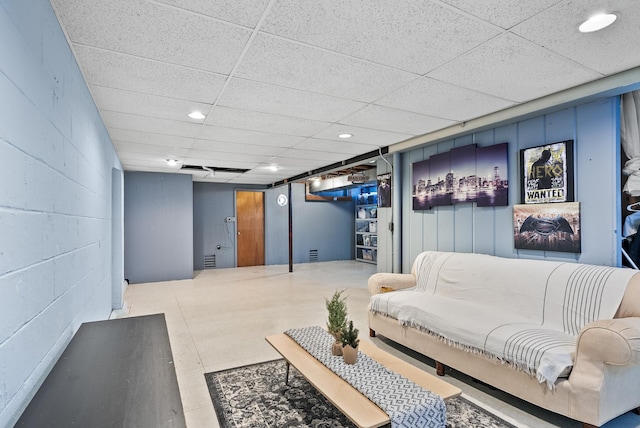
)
(219, 319)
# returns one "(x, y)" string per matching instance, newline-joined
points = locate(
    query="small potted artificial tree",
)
(350, 342)
(337, 320)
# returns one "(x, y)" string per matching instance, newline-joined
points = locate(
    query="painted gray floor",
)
(219, 319)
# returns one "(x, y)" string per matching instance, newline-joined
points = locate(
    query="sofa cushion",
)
(504, 335)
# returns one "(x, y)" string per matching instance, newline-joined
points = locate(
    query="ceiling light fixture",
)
(172, 162)
(196, 115)
(273, 168)
(345, 135)
(597, 22)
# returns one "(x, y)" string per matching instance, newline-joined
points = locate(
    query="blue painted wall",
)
(323, 226)
(212, 204)
(56, 162)
(328, 227)
(468, 228)
(158, 227)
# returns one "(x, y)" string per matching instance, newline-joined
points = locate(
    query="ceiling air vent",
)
(214, 169)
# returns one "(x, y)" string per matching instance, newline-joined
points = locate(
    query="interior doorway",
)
(250, 227)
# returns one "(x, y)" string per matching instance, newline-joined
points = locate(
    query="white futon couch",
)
(563, 336)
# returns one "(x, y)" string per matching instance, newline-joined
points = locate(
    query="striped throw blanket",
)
(527, 313)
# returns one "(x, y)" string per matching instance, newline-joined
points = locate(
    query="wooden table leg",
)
(286, 378)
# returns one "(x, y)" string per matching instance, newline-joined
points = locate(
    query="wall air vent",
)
(214, 169)
(210, 261)
(313, 256)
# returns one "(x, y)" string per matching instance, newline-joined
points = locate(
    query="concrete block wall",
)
(56, 165)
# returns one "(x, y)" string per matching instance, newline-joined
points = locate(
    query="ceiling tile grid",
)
(285, 63)
(135, 122)
(266, 122)
(278, 80)
(151, 30)
(608, 51)
(131, 73)
(502, 65)
(412, 35)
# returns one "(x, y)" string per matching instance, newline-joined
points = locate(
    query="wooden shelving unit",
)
(367, 225)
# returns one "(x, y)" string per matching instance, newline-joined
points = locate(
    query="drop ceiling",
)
(278, 80)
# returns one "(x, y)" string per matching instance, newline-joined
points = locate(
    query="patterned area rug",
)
(256, 396)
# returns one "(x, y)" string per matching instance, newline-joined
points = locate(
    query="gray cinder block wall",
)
(56, 169)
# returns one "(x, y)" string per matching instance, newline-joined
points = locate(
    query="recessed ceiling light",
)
(196, 115)
(273, 168)
(345, 135)
(597, 22)
(172, 162)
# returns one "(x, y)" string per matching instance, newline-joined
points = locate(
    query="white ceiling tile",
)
(218, 133)
(243, 12)
(315, 155)
(298, 164)
(394, 120)
(146, 167)
(412, 35)
(266, 122)
(503, 13)
(212, 180)
(371, 137)
(155, 31)
(285, 63)
(135, 159)
(249, 159)
(145, 104)
(266, 98)
(150, 62)
(152, 149)
(261, 171)
(127, 135)
(440, 99)
(500, 67)
(134, 122)
(225, 146)
(201, 159)
(114, 70)
(345, 147)
(607, 51)
(208, 175)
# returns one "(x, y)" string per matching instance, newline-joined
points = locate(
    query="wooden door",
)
(250, 224)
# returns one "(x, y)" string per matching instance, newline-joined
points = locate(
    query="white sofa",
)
(563, 336)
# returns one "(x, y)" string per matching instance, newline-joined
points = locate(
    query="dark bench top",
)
(116, 373)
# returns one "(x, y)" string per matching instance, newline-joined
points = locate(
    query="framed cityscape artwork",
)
(464, 174)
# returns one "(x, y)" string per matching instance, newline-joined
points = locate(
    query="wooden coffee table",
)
(355, 406)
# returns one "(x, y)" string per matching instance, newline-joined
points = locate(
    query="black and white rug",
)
(256, 396)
